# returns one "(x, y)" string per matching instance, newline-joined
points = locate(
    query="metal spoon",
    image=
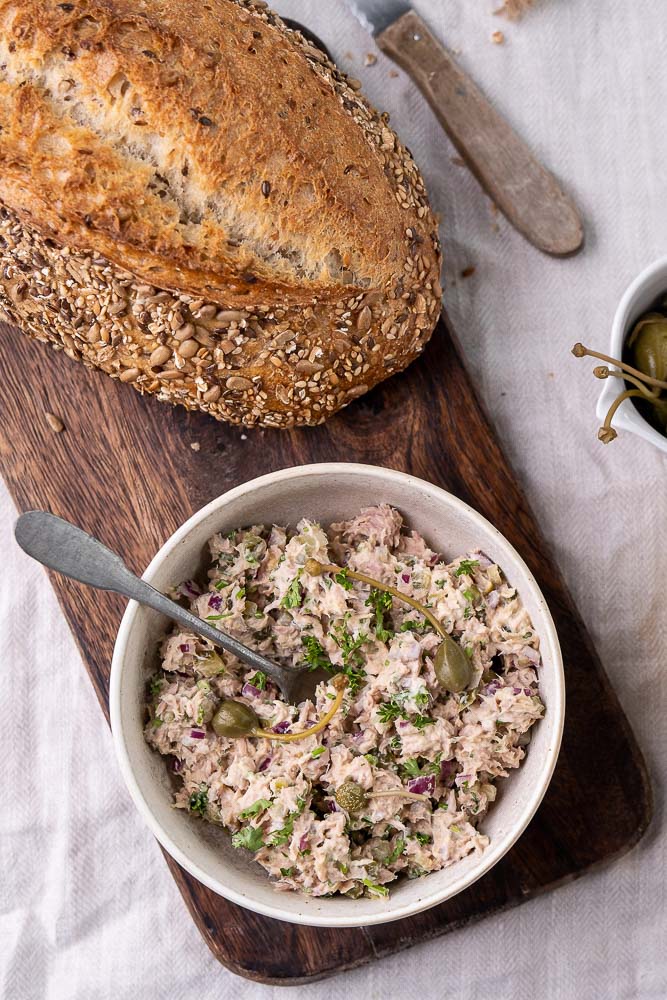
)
(74, 553)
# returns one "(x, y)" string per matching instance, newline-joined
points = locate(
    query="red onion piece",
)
(215, 602)
(303, 842)
(425, 785)
(265, 763)
(189, 589)
(405, 577)
(184, 647)
(493, 599)
(250, 691)
(282, 727)
(197, 734)
(447, 771)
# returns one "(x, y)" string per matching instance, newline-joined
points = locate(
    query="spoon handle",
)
(71, 551)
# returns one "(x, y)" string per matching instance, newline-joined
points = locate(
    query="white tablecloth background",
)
(87, 907)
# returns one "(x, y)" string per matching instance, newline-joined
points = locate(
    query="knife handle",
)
(524, 191)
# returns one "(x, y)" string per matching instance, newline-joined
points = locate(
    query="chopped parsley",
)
(399, 847)
(200, 714)
(315, 656)
(318, 751)
(157, 722)
(412, 768)
(375, 890)
(393, 709)
(286, 872)
(258, 680)
(343, 579)
(422, 838)
(421, 721)
(198, 801)
(257, 807)
(380, 602)
(412, 625)
(250, 837)
(471, 594)
(465, 567)
(353, 659)
(422, 698)
(155, 686)
(294, 595)
(282, 835)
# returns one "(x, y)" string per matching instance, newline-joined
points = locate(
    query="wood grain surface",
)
(524, 191)
(124, 469)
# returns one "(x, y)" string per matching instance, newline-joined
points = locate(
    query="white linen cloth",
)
(87, 906)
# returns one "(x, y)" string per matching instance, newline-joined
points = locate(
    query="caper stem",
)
(316, 568)
(607, 432)
(403, 792)
(580, 351)
(643, 388)
(340, 683)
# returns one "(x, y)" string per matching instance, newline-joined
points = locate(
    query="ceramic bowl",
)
(638, 298)
(326, 493)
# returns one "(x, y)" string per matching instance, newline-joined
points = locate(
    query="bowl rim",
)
(627, 416)
(490, 856)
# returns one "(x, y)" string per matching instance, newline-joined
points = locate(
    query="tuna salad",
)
(390, 767)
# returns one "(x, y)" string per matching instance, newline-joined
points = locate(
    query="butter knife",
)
(527, 194)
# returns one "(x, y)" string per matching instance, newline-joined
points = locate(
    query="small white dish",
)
(638, 299)
(327, 492)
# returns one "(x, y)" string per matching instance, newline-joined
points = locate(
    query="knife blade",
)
(527, 194)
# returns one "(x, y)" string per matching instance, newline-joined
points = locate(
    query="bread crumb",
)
(54, 422)
(497, 38)
(195, 446)
(393, 73)
(457, 161)
(468, 272)
(513, 8)
(370, 59)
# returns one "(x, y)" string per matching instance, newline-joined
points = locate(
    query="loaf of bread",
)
(194, 199)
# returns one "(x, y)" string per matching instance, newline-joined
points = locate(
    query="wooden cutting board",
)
(125, 469)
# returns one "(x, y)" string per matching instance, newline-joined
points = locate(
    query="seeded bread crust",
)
(204, 207)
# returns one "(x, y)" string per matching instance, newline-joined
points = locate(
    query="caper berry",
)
(351, 797)
(648, 342)
(233, 719)
(648, 348)
(453, 669)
